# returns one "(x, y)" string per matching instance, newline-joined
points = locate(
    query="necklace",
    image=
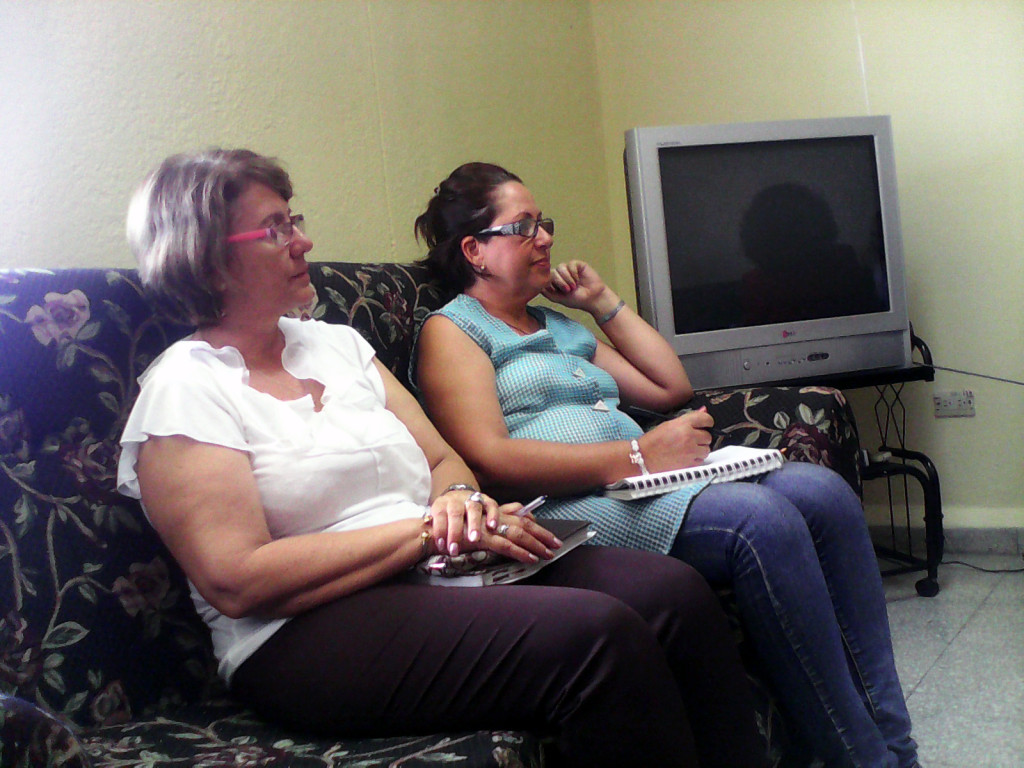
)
(530, 319)
(516, 328)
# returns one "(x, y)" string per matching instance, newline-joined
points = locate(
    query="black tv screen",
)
(773, 232)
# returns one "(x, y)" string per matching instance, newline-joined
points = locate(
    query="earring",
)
(481, 270)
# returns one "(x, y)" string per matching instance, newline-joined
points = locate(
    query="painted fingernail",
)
(453, 549)
(474, 535)
(440, 544)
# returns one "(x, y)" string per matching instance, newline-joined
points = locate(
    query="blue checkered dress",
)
(549, 390)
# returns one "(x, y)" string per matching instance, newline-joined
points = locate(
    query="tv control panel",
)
(796, 360)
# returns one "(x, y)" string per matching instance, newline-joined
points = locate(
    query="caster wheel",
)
(927, 587)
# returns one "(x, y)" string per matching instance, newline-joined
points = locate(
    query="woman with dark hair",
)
(531, 399)
(295, 481)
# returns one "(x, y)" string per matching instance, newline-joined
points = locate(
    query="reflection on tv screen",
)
(773, 232)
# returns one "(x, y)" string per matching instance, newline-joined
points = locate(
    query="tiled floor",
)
(960, 656)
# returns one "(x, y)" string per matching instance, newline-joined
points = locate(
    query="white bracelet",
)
(618, 308)
(636, 457)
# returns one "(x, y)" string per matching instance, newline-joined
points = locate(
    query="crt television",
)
(770, 252)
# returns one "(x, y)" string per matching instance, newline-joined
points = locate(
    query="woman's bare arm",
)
(202, 500)
(458, 384)
(643, 364)
(455, 521)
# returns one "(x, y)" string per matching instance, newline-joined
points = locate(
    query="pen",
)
(531, 506)
(643, 413)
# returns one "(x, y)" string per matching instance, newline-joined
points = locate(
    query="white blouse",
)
(350, 465)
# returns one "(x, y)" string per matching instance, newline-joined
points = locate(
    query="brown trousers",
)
(624, 657)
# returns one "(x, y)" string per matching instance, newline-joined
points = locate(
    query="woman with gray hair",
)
(295, 480)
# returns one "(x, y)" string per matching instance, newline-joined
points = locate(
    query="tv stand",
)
(892, 459)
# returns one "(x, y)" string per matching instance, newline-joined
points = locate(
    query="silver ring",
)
(502, 529)
(477, 497)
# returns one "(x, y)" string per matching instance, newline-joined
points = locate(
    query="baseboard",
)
(990, 541)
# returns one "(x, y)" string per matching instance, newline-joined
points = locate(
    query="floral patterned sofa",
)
(103, 660)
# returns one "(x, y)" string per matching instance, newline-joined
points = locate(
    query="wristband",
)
(636, 457)
(618, 308)
(458, 487)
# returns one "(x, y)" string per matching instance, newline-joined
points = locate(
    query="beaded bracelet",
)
(636, 457)
(612, 313)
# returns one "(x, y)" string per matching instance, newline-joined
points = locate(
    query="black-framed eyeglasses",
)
(280, 234)
(523, 228)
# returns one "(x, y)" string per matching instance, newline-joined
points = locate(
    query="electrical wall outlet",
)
(953, 402)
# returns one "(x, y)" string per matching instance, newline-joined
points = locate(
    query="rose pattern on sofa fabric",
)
(99, 642)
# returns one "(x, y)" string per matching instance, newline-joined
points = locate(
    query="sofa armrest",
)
(813, 424)
(31, 736)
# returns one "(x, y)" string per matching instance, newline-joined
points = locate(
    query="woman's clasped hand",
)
(465, 520)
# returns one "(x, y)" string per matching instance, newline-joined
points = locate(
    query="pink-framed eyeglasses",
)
(280, 234)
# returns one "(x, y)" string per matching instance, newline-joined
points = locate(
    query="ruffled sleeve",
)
(184, 392)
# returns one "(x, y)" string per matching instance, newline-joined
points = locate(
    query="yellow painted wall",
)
(371, 102)
(951, 75)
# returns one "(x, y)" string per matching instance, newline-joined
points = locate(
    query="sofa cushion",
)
(220, 733)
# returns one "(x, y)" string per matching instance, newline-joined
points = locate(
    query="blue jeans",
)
(796, 550)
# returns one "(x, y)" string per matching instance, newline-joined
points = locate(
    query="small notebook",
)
(484, 569)
(732, 462)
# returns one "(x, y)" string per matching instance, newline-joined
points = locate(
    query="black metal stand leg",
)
(890, 418)
(928, 477)
(935, 539)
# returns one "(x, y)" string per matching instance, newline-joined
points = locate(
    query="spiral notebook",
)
(733, 462)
